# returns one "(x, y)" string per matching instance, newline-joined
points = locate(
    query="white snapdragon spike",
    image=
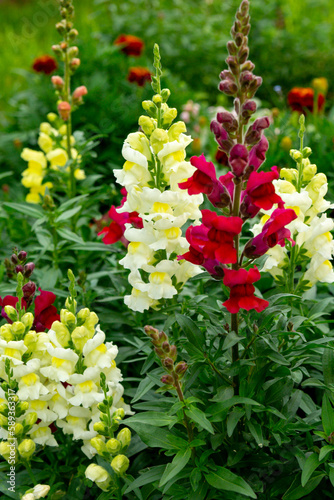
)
(42, 434)
(97, 353)
(63, 363)
(155, 165)
(86, 388)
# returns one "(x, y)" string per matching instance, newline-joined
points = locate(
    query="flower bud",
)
(51, 117)
(18, 328)
(289, 174)
(27, 319)
(173, 352)
(306, 152)
(67, 318)
(296, 155)
(19, 269)
(248, 66)
(228, 120)
(119, 413)
(120, 464)
(320, 85)
(168, 364)
(29, 290)
(165, 93)
(243, 55)
(11, 313)
(75, 63)
(157, 99)
(158, 138)
(124, 437)
(26, 448)
(99, 445)
(64, 110)
(6, 332)
(30, 419)
(167, 379)
(168, 116)
(57, 82)
(3, 409)
(165, 346)
(73, 33)
(233, 64)
(14, 259)
(238, 159)
(101, 428)
(232, 48)
(146, 124)
(181, 368)
(18, 429)
(78, 94)
(113, 446)
(5, 450)
(28, 496)
(150, 108)
(30, 339)
(41, 490)
(309, 172)
(98, 475)
(62, 333)
(3, 419)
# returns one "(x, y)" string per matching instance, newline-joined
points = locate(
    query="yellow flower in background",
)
(320, 84)
(286, 143)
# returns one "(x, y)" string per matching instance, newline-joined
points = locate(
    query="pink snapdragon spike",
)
(242, 290)
(273, 233)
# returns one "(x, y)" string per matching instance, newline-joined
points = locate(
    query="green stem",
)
(30, 472)
(119, 488)
(67, 92)
(185, 417)
(215, 369)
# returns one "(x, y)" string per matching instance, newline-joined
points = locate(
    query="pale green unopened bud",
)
(70, 302)
(11, 313)
(176, 129)
(309, 172)
(113, 446)
(6, 332)
(124, 436)
(82, 315)
(296, 155)
(18, 328)
(99, 475)
(40, 490)
(18, 429)
(26, 448)
(168, 116)
(120, 464)
(30, 419)
(27, 319)
(290, 174)
(119, 413)
(28, 495)
(91, 321)
(3, 409)
(158, 138)
(21, 408)
(150, 108)
(165, 93)
(100, 427)
(307, 152)
(157, 99)
(52, 117)
(30, 339)
(5, 450)
(146, 124)
(99, 445)
(79, 336)
(62, 333)
(67, 318)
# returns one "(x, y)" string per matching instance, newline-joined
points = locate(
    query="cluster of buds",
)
(67, 53)
(167, 353)
(17, 264)
(110, 447)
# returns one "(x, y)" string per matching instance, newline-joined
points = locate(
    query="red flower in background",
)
(45, 313)
(139, 75)
(242, 289)
(132, 45)
(115, 231)
(45, 64)
(300, 98)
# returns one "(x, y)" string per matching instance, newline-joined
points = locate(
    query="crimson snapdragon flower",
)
(260, 190)
(242, 290)
(273, 233)
(115, 231)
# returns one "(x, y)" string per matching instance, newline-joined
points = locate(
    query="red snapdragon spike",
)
(132, 45)
(238, 159)
(242, 289)
(221, 236)
(45, 312)
(273, 233)
(139, 75)
(45, 64)
(301, 99)
(260, 189)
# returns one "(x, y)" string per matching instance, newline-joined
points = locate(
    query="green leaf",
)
(68, 235)
(325, 450)
(26, 209)
(256, 431)
(223, 479)
(158, 438)
(178, 463)
(331, 476)
(199, 417)
(310, 465)
(156, 418)
(297, 491)
(72, 201)
(92, 246)
(195, 478)
(145, 385)
(148, 477)
(231, 339)
(328, 366)
(235, 400)
(327, 415)
(233, 420)
(193, 333)
(68, 214)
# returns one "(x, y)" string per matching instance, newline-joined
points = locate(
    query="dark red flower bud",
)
(239, 39)
(29, 290)
(232, 48)
(159, 352)
(165, 346)
(181, 368)
(162, 337)
(173, 352)
(248, 109)
(151, 332)
(238, 159)
(228, 120)
(19, 269)
(233, 64)
(243, 55)
(28, 269)
(228, 87)
(227, 75)
(22, 255)
(14, 259)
